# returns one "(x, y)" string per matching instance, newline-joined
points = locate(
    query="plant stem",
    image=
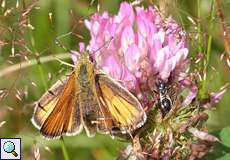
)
(224, 27)
(199, 27)
(64, 149)
(209, 46)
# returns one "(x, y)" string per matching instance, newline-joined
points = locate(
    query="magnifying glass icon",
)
(9, 147)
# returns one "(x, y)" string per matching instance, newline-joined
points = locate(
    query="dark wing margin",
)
(122, 111)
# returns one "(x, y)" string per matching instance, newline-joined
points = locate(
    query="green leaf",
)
(222, 149)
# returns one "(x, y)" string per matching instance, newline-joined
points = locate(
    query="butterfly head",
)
(84, 58)
(84, 64)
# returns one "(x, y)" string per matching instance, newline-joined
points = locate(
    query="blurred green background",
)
(28, 32)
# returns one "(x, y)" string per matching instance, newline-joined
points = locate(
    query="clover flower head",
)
(139, 44)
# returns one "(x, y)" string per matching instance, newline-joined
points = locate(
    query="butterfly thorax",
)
(84, 72)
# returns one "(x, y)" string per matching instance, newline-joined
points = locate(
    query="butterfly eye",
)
(91, 58)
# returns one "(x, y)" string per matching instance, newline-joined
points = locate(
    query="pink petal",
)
(215, 97)
(125, 12)
(160, 58)
(88, 24)
(95, 28)
(127, 38)
(186, 83)
(81, 47)
(112, 67)
(129, 80)
(160, 36)
(152, 32)
(142, 27)
(165, 71)
(181, 55)
(203, 135)
(132, 57)
(143, 46)
(119, 72)
(154, 50)
(74, 55)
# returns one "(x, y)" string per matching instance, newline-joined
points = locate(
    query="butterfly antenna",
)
(98, 6)
(65, 63)
(58, 42)
(106, 43)
(90, 4)
(103, 45)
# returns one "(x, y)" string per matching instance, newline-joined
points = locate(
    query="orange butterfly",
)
(90, 100)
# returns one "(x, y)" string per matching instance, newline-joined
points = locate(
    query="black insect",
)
(165, 102)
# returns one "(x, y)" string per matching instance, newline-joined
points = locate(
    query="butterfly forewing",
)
(64, 115)
(122, 111)
(47, 102)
